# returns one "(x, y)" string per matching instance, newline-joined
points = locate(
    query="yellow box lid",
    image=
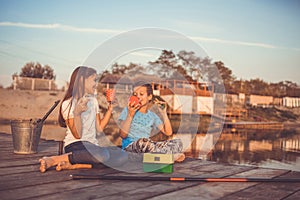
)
(158, 158)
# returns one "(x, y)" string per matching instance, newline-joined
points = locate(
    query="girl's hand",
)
(132, 108)
(111, 106)
(81, 106)
(161, 104)
(113, 103)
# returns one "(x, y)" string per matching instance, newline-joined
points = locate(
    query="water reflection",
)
(279, 149)
(272, 149)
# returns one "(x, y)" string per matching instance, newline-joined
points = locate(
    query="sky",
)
(254, 38)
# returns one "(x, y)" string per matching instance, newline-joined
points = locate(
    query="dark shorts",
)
(82, 152)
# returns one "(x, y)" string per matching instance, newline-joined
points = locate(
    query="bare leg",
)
(180, 157)
(68, 165)
(47, 162)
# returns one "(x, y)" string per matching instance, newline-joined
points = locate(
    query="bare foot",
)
(46, 163)
(179, 157)
(66, 165)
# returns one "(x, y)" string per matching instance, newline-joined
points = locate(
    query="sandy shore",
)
(26, 104)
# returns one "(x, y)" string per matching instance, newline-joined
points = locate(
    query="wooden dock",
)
(21, 179)
(254, 125)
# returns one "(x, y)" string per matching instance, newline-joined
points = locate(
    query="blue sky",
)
(254, 38)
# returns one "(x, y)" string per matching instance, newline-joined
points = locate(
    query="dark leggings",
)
(88, 153)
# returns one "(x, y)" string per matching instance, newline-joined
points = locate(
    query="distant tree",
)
(36, 70)
(227, 76)
(48, 73)
(167, 59)
(238, 86)
(164, 64)
(288, 88)
(259, 87)
(27, 70)
(193, 65)
(118, 69)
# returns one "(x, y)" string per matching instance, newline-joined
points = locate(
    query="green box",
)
(159, 163)
(158, 168)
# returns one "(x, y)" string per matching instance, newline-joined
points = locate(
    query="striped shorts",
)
(146, 145)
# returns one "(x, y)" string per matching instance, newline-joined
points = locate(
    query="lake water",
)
(279, 149)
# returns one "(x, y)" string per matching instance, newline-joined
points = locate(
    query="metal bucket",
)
(26, 136)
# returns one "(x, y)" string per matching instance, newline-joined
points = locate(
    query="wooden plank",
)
(41, 190)
(261, 173)
(7, 144)
(218, 190)
(270, 190)
(293, 196)
(204, 191)
(10, 156)
(18, 170)
(20, 178)
(161, 188)
(266, 191)
(97, 191)
(45, 187)
(20, 162)
(10, 159)
(31, 178)
(151, 191)
(226, 170)
(154, 187)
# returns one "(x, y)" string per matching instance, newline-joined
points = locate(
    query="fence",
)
(25, 83)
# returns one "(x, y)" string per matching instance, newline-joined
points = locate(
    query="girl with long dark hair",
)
(79, 114)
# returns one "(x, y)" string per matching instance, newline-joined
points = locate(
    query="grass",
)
(271, 114)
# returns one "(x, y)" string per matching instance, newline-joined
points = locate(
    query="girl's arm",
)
(166, 127)
(101, 123)
(75, 126)
(75, 123)
(125, 125)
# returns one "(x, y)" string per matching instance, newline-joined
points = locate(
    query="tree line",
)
(188, 66)
(36, 70)
(191, 67)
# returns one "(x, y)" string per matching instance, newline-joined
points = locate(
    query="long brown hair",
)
(76, 88)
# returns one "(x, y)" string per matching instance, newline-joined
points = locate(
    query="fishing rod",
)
(180, 179)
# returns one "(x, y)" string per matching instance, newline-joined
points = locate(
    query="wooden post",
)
(15, 82)
(32, 83)
(49, 82)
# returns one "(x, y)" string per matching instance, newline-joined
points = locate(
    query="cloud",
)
(115, 31)
(24, 25)
(58, 26)
(215, 40)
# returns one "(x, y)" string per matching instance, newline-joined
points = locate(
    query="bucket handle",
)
(48, 113)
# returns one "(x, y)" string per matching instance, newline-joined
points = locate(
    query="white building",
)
(188, 97)
(291, 102)
(258, 100)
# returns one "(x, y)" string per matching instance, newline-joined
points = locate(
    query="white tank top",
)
(88, 120)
